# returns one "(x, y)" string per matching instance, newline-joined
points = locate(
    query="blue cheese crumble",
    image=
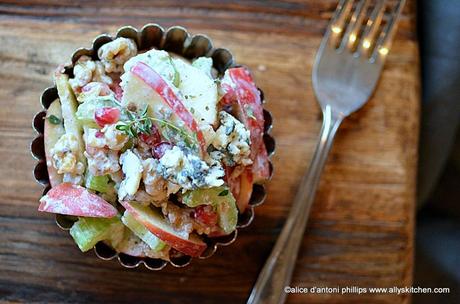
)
(189, 171)
(231, 141)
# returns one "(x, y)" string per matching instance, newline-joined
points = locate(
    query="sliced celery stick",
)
(88, 231)
(53, 131)
(97, 183)
(69, 107)
(139, 230)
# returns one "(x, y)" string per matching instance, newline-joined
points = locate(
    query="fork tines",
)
(364, 27)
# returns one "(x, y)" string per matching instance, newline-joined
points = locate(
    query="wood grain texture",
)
(361, 229)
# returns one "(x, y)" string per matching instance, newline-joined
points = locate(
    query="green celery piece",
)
(97, 183)
(69, 107)
(87, 231)
(52, 134)
(228, 215)
(110, 195)
(141, 232)
(221, 199)
(207, 196)
(85, 112)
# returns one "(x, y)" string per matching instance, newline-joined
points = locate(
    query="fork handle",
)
(277, 271)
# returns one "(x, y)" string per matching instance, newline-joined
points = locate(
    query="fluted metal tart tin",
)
(177, 40)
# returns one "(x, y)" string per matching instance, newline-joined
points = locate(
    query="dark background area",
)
(437, 260)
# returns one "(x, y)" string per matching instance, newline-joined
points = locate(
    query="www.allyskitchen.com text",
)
(365, 290)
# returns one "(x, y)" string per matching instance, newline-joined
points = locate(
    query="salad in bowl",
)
(151, 153)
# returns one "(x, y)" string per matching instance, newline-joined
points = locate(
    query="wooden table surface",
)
(362, 224)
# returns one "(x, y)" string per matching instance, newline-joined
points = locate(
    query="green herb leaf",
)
(144, 111)
(149, 125)
(223, 193)
(131, 115)
(141, 123)
(54, 120)
(120, 127)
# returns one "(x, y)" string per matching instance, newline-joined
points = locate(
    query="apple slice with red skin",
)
(260, 165)
(52, 132)
(241, 91)
(70, 199)
(159, 85)
(240, 186)
(246, 180)
(250, 112)
(157, 224)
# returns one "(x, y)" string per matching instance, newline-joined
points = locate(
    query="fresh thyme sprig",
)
(136, 124)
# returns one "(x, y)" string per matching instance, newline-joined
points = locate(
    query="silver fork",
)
(346, 70)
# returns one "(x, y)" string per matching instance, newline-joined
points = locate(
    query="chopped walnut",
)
(180, 218)
(102, 161)
(113, 55)
(86, 71)
(65, 156)
(155, 184)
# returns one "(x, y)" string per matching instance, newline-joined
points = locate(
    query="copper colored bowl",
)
(176, 40)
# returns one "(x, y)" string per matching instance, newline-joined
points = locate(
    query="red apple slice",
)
(157, 224)
(240, 184)
(240, 89)
(53, 131)
(250, 112)
(246, 181)
(70, 199)
(260, 165)
(159, 85)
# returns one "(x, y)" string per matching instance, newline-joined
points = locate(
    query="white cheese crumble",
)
(114, 54)
(232, 142)
(189, 171)
(132, 169)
